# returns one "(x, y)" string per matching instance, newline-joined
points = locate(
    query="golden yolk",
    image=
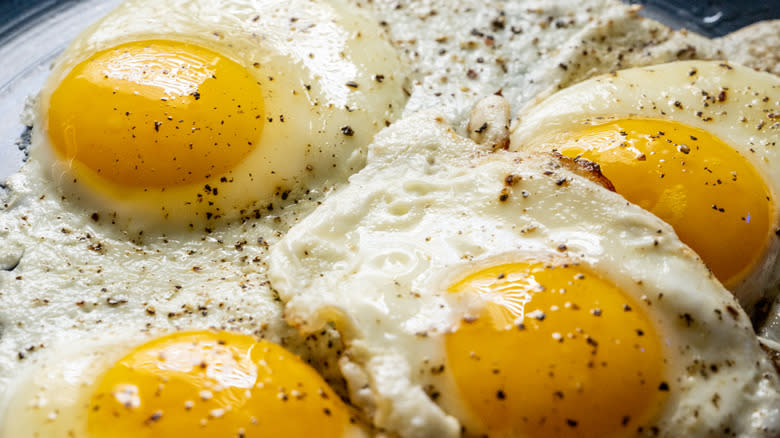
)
(714, 198)
(213, 384)
(156, 114)
(557, 352)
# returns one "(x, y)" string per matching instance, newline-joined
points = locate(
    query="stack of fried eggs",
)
(255, 218)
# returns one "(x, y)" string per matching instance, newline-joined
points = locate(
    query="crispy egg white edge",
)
(420, 164)
(670, 91)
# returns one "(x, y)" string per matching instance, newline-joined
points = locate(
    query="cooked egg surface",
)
(220, 120)
(462, 51)
(184, 112)
(703, 187)
(465, 50)
(692, 142)
(71, 267)
(74, 276)
(69, 273)
(580, 345)
(503, 294)
(198, 383)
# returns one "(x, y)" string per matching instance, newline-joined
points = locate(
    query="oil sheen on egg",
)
(187, 111)
(198, 383)
(692, 142)
(502, 294)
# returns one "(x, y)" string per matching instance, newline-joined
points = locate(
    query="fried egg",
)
(198, 383)
(502, 294)
(183, 112)
(156, 122)
(692, 142)
(78, 292)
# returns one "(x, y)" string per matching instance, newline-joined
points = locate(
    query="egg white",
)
(736, 104)
(303, 55)
(377, 257)
(73, 268)
(55, 396)
(66, 277)
(51, 398)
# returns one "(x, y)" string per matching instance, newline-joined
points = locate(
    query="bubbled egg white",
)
(693, 142)
(184, 111)
(504, 295)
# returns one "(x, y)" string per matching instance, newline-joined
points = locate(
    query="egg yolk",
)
(714, 198)
(557, 352)
(156, 114)
(213, 384)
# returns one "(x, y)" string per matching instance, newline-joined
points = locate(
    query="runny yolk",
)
(213, 384)
(714, 198)
(156, 114)
(557, 352)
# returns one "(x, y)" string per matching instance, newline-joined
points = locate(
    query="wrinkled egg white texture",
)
(68, 272)
(378, 258)
(70, 266)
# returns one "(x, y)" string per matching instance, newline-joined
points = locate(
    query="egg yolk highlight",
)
(213, 384)
(156, 114)
(557, 352)
(714, 198)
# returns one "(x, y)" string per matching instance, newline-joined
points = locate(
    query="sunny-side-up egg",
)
(166, 114)
(184, 111)
(504, 295)
(695, 143)
(191, 383)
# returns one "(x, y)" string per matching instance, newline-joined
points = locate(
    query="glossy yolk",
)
(557, 352)
(156, 114)
(213, 384)
(713, 197)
